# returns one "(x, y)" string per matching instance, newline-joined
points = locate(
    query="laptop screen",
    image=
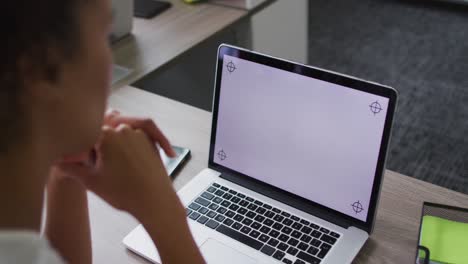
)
(315, 139)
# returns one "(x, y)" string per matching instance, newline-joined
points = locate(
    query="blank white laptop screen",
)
(315, 139)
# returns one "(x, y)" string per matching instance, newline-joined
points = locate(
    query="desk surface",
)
(396, 229)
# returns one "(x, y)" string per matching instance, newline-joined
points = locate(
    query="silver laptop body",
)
(297, 156)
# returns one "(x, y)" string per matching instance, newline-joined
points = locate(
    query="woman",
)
(54, 79)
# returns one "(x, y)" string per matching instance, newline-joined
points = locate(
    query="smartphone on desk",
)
(172, 164)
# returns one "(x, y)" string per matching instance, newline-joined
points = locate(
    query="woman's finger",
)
(149, 127)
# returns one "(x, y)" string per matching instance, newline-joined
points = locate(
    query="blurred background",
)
(418, 47)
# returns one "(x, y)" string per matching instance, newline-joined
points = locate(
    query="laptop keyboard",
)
(261, 226)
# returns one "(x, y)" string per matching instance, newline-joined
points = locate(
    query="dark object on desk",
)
(149, 8)
(173, 164)
(443, 234)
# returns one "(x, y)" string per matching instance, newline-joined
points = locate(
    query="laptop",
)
(296, 160)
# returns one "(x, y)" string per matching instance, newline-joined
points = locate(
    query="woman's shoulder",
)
(26, 247)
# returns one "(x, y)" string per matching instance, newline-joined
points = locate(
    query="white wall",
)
(281, 30)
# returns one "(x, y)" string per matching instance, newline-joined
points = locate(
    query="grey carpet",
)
(421, 49)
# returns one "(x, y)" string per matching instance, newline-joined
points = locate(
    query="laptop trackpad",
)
(215, 252)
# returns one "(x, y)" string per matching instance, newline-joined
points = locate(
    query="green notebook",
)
(446, 240)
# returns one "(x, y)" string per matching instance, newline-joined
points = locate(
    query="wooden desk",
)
(396, 229)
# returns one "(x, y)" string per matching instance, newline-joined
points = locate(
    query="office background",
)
(418, 47)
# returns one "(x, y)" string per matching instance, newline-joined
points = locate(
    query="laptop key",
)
(254, 234)
(274, 233)
(316, 243)
(285, 214)
(221, 210)
(267, 250)
(241, 195)
(207, 196)
(306, 238)
(312, 250)
(283, 237)
(259, 218)
(238, 217)
(296, 234)
(228, 222)
(252, 207)
(279, 255)
(256, 225)
(316, 234)
(269, 214)
(303, 246)
(295, 218)
(224, 188)
(211, 189)
(296, 226)
(203, 210)
(324, 230)
(236, 226)
(194, 206)
(293, 242)
(264, 238)
(328, 239)
(225, 203)
(273, 242)
(287, 222)
(246, 230)
(247, 221)
(212, 224)
(323, 251)
(276, 210)
(239, 237)
(249, 199)
(216, 185)
(267, 206)
(202, 201)
(194, 216)
(232, 192)
(219, 218)
(286, 230)
(277, 226)
(268, 222)
(230, 214)
(287, 261)
(292, 251)
(265, 229)
(278, 218)
(305, 222)
(251, 214)
(257, 202)
(227, 196)
(217, 200)
(260, 210)
(235, 200)
(335, 235)
(202, 220)
(282, 246)
(213, 206)
(308, 258)
(219, 193)
(306, 230)
(314, 226)
(188, 211)
(211, 214)
(242, 211)
(244, 203)
(299, 261)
